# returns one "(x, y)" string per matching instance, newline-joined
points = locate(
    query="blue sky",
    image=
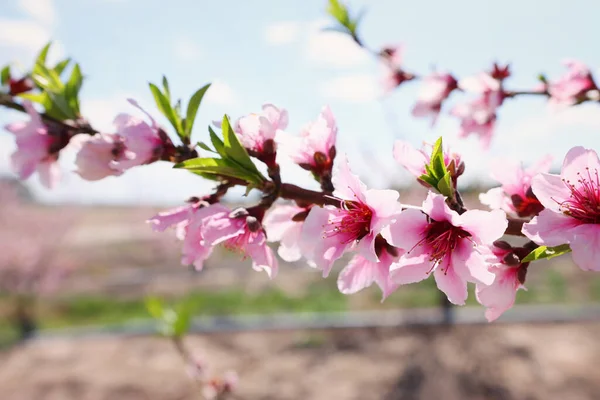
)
(274, 51)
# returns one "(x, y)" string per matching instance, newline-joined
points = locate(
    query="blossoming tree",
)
(393, 244)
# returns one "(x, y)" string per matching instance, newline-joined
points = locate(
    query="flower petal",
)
(411, 268)
(577, 160)
(586, 247)
(407, 230)
(550, 190)
(263, 259)
(550, 228)
(357, 275)
(450, 283)
(348, 186)
(485, 226)
(499, 296)
(410, 158)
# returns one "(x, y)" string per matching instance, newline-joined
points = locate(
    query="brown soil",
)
(468, 362)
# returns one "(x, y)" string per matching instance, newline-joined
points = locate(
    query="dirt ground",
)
(468, 362)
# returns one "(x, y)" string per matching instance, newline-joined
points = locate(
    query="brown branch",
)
(515, 226)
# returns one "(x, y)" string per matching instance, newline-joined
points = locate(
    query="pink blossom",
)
(100, 156)
(284, 224)
(142, 140)
(515, 195)
(315, 147)
(329, 232)
(573, 86)
(438, 239)
(35, 149)
(177, 217)
(394, 75)
(572, 214)
(500, 295)
(479, 116)
(435, 89)
(415, 160)
(362, 272)
(255, 130)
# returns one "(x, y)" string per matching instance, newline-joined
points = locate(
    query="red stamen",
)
(584, 202)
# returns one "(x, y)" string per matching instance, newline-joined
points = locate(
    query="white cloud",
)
(352, 88)
(41, 11)
(186, 49)
(282, 33)
(23, 39)
(220, 93)
(332, 49)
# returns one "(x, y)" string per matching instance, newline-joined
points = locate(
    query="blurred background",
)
(78, 262)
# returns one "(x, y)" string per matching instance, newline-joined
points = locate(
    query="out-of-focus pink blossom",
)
(177, 217)
(414, 160)
(100, 156)
(314, 148)
(479, 116)
(515, 195)
(34, 149)
(500, 295)
(284, 224)
(329, 232)
(434, 90)
(572, 214)
(394, 75)
(362, 272)
(573, 86)
(438, 239)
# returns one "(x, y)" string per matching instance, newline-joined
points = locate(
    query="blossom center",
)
(584, 202)
(352, 221)
(441, 238)
(527, 205)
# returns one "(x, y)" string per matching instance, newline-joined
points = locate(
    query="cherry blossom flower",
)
(362, 272)
(515, 195)
(438, 239)
(257, 132)
(329, 232)
(100, 156)
(142, 140)
(284, 224)
(510, 277)
(572, 214)
(178, 217)
(573, 86)
(36, 149)
(394, 75)
(479, 116)
(435, 89)
(415, 160)
(314, 149)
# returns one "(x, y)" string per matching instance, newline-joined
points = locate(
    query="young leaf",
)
(182, 323)
(217, 143)
(41, 58)
(234, 148)
(215, 166)
(338, 11)
(166, 87)
(437, 160)
(60, 66)
(204, 146)
(547, 252)
(5, 75)
(47, 79)
(445, 186)
(163, 104)
(154, 307)
(192, 109)
(72, 89)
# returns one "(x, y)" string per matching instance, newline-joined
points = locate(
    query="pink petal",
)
(435, 206)
(347, 185)
(366, 247)
(49, 172)
(586, 247)
(550, 228)
(279, 220)
(289, 247)
(466, 258)
(450, 283)
(577, 160)
(263, 259)
(495, 199)
(357, 275)
(550, 190)
(499, 296)
(485, 226)
(411, 268)
(166, 219)
(407, 230)
(410, 158)
(385, 204)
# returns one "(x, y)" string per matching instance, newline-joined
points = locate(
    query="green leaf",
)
(192, 109)
(47, 79)
(5, 75)
(437, 160)
(54, 106)
(60, 66)
(72, 89)
(204, 146)
(41, 58)
(154, 307)
(217, 143)
(338, 11)
(233, 147)
(163, 104)
(445, 186)
(165, 83)
(182, 322)
(431, 181)
(547, 252)
(216, 166)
